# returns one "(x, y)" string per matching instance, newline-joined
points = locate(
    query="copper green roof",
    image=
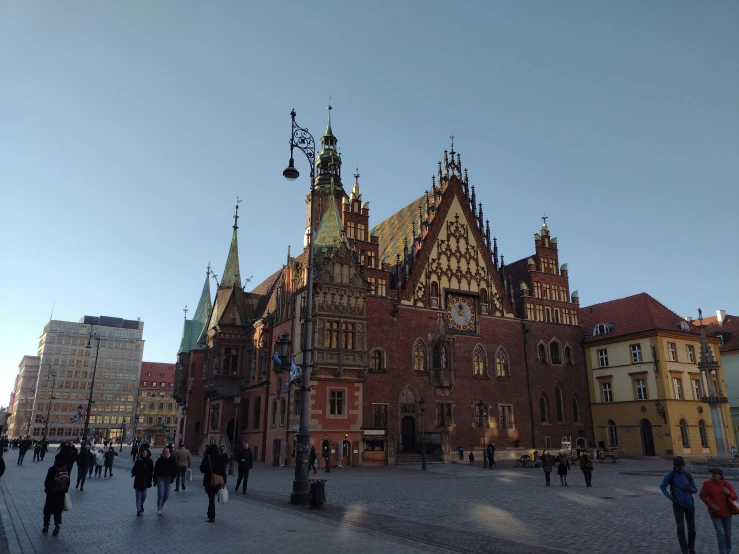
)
(186, 342)
(396, 228)
(192, 330)
(231, 275)
(330, 232)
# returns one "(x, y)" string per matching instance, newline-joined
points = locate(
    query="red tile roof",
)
(729, 330)
(396, 229)
(633, 314)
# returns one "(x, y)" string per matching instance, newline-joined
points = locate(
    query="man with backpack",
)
(109, 455)
(56, 486)
(679, 487)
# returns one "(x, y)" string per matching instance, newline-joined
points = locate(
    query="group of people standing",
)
(718, 495)
(40, 447)
(562, 462)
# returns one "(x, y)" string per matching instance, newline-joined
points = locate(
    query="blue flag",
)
(276, 359)
(294, 372)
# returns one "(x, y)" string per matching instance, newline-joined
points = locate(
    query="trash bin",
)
(317, 493)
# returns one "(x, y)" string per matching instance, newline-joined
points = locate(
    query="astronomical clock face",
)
(461, 313)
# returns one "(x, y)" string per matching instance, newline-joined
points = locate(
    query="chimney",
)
(720, 315)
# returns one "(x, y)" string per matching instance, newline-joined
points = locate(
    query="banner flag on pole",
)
(276, 359)
(294, 372)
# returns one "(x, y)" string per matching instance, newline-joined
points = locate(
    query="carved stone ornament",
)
(215, 413)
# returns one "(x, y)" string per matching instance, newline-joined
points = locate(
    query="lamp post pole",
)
(481, 411)
(123, 433)
(237, 399)
(52, 374)
(422, 409)
(93, 335)
(302, 140)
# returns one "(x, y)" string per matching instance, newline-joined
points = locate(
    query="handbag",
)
(216, 480)
(223, 496)
(733, 507)
(67, 502)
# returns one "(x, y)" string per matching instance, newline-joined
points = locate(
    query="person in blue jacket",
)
(679, 487)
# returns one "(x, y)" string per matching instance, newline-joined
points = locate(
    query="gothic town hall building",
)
(418, 307)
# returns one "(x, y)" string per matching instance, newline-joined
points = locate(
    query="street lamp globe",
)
(291, 173)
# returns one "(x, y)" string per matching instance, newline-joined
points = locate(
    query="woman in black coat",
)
(165, 471)
(547, 463)
(54, 494)
(212, 464)
(563, 467)
(143, 471)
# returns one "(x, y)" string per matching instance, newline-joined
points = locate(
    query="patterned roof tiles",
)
(396, 228)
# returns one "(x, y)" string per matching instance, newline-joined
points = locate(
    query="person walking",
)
(85, 460)
(142, 472)
(165, 470)
(491, 456)
(22, 449)
(134, 451)
(460, 449)
(44, 447)
(563, 466)
(246, 464)
(56, 486)
(547, 464)
(184, 462)
(70, 453)
(37, 451)
(472, 457)
(108, 458)
(214, 477)
(681, 490)
(99, 462)
(94, 453)
(313, 459)
(719, 496)
(224, 455)
(586, 466)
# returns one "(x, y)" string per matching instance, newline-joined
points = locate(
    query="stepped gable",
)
(633, 314)
(396, 229)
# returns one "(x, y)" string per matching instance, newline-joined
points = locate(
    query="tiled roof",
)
(231, 274)
(265, 285)
(633, 314)
(516, 272)
(729, 329)
(395, 229)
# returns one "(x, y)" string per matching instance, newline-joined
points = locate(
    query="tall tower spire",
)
(328, 162)
(231, 274)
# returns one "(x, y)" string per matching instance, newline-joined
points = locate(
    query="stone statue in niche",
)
(215, 365)
(215, 413)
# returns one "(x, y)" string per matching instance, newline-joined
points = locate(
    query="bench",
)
(607, 456)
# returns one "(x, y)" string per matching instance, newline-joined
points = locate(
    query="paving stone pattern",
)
(449, 508)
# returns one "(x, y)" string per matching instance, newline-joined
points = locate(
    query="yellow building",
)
(156, 413)
(648, 395)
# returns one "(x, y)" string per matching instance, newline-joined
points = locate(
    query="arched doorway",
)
(408, 434)
(647, 439)
(347, 452)
(581, 442)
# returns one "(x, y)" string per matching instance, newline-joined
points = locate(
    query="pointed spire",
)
(473, 201)
(487, 233)
(330, 230)
(202, 312)
(495, 250)
(328, 132)
(480, 219)
(231, 274)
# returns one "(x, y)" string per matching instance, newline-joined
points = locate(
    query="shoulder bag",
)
(216, 481)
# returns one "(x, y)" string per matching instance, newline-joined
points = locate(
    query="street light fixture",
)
(52, 374)
(302, 140)
(422, 409)
(283, 350)
(123, 433)
(237, 400)
(481, 412)
(94, 334)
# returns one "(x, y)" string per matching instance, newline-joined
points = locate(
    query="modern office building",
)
(22, 398)
(71, 356)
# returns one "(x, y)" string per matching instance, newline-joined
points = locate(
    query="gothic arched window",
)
(612, 433)
(575, 410)
(543, 409)
(419, 356)
(377, 360)
(483, 296)
(501, 363)
(703, 433)
(568, 355)
(282, 411)
(273, 416)
(479, 362)
(555, 353)
(559, 404)
(542, 353)
(684, 435)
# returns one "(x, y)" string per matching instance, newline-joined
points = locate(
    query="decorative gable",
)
(456, 260)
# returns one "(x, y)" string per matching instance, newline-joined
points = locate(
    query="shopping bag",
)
(188, 474)
(223, 496)
(67, 502)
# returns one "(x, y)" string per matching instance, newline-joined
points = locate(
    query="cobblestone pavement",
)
(449, 508)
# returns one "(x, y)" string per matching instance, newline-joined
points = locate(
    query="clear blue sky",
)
(128, 129)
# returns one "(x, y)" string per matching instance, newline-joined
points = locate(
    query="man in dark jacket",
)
(22, 449)
(44, 447)
(85, 460)
(70, 453)
(134, 451)
(56, 486)
(246, 464)
(491, 456)
(109, 456)
(679, 487)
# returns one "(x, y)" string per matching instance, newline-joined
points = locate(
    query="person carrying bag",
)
(213, 469)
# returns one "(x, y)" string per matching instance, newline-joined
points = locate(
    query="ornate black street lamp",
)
(481, 412)
(283, 350)
(302, 140)
(94, 334)
(421, 409)
(51, 374)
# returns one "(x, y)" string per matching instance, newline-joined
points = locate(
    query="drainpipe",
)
(528, 383)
